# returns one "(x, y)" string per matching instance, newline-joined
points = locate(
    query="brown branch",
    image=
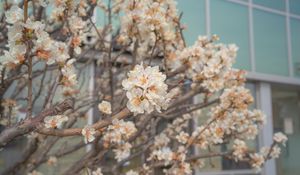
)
(29, 149)
(77, 131)
(30, 124)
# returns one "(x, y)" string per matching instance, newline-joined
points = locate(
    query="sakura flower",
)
(122, 151)
(55, 121)
(183, 169)
(161, 140)
(14, 34)
(34, 172)
(182, 137)
(76, 23)
(257, 161)
(42, 3)
(131, 172)
(105, 107)
(88, 132)
(267, 152)
(279, 137)
(97, 172)
(239, 149)
(276, 150)
(264, 151)
(69, 76)
(14, 15)
(164, 154)
(146, 89)
(52, 161)
(119, 131)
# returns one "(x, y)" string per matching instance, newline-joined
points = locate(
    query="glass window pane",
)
(295, 7)
(193, 18)
(230, 22)
(275, 4)
(286, 119)
(270, 43)
(295, 37)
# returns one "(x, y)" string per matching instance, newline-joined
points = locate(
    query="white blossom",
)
(146, 89)
(119, 131)
(88, 132)
(52, 161)
(182, 137)
(257, 160)
(279, 137)
(98, 171)
(55, 121)
(34, 172)
(131, 172)
(239, 149)
(122, 151)
(105, 107)
(15, 14)
(276, 150)
(163, 154)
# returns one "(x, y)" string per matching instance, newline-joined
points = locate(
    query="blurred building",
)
(268, 35)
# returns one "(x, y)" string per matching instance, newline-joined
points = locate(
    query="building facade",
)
(268, 35)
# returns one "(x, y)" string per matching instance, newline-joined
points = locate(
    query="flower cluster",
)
(208, 63)
(52, 161)
(177, 126)
(105, 107)
(152, 23)
(35, 173)
(256, 161)
(122, 151)
(165, 154)
(131, 172)
(231, 117)
(55, 121)
(117, 134)
(98, 171)
(21, 34)
(146, 89)
(89, 134)
(279, 137)
(239, 149)
(16, 38)
(273, 152)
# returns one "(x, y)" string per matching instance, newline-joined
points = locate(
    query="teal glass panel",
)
(295, 7)
(102, 16)
(193, 18)
(295, 38)
(230, 22)
(270, 43)
(275, 4)
(1, 7)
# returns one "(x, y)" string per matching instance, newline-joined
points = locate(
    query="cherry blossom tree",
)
(141, 102)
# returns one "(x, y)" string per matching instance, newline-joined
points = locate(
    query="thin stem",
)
(25, 10)
(29, 86)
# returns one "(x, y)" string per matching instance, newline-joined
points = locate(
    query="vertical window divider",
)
(207, 18)
(251, 36)
(264, 101)
(91, 119)
(288, 33)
